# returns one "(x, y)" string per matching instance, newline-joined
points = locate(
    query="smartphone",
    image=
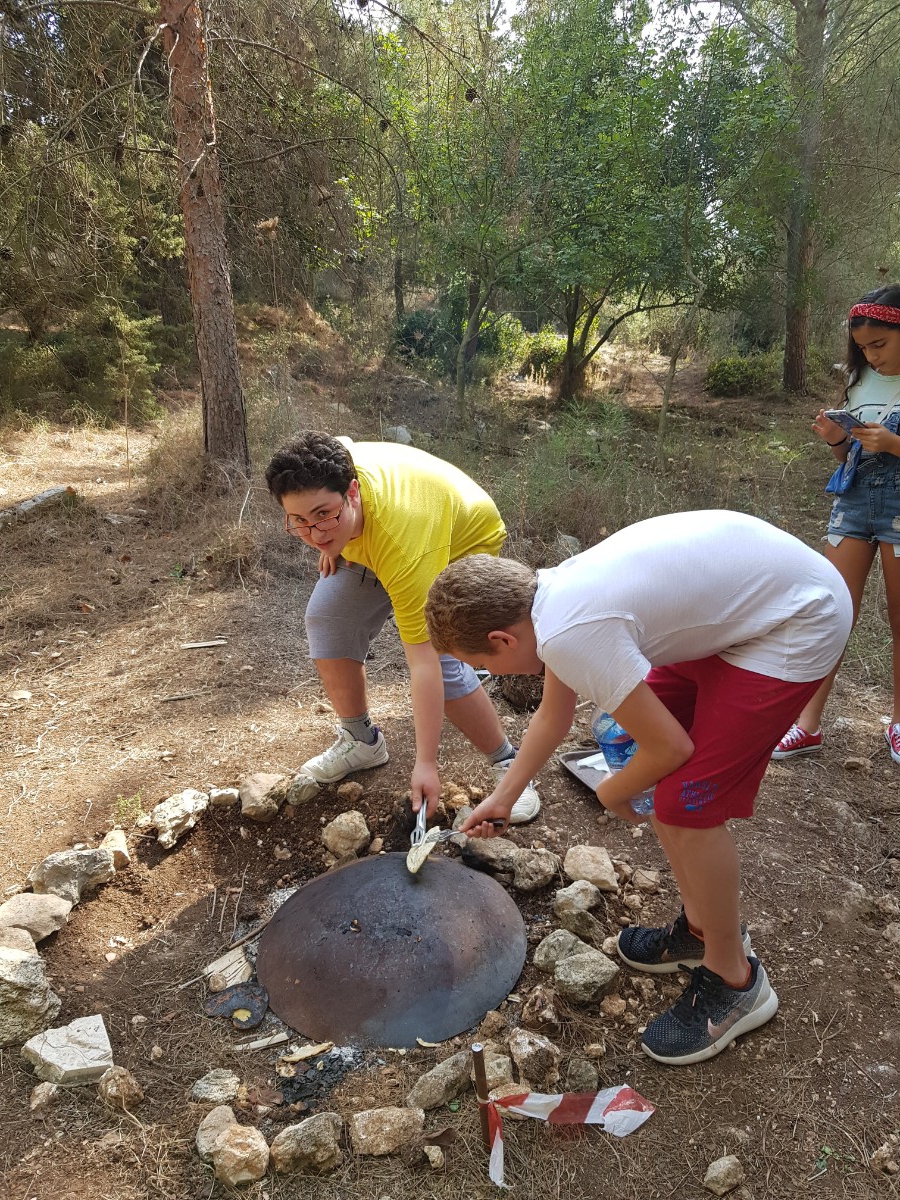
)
(846, 420)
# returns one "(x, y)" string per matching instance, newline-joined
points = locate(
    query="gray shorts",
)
(347, 611)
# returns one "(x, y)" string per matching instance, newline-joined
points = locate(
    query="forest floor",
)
(103, 713)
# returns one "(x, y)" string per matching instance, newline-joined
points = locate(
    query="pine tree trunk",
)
(809, 85)
(206, 251)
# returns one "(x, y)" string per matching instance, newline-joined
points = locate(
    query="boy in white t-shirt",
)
(701, 633)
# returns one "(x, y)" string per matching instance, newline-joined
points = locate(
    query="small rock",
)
(42, 1096)
(311, 1145)
(240, 1155)
(156, 1053)
(282, 854)
(223, 797)
(610, 946)
(498, 1069)
(376, 846)
(40, 915)
(581, 1075)
(634, 902)
(350, 791)
(595, 1050)
(173, 817)
(579, 896)
(119, 1088)
(536, 1057)
(348, 833)
(442, 1083)
(75, 1053)
(585, 926)
(534, 869)
(612, 1006)
(302, 788)
(68, 873)
(892, 933)
(380, 1131)
(14, 938)
(117, 844)
(863, 765)
(885, 1159)
(262, 795)
(491, 854)
(556, 946)
(232, 967)
(539, 1010)
(492, 1024)
(435, 1156)
(594, 864)
(566, 545)
(218, 1086)
(585, 977)
(723, 1175)
(27, 1004)
(646, 880)
(211, 1128)
(398, 433)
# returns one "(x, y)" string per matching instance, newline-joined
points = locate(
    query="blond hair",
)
(474, 596)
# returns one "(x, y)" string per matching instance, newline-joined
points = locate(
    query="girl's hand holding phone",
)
(828, 430)
(877, 440)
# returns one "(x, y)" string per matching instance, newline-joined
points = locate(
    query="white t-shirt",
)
(684, 587)
(874, 397)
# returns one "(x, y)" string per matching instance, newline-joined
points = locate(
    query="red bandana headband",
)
(877, 312)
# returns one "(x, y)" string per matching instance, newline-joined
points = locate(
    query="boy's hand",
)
(328, 566)
(479, 824)
(425, 787)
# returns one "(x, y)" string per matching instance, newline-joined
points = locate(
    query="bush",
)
(736, 376)
(92, 370)
(542, 352)
(424, 333)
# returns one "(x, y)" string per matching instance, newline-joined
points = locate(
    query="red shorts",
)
(736, 719)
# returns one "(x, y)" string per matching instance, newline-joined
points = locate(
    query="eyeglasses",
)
(297, 527)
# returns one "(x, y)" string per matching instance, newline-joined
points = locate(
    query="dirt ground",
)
(103, 713)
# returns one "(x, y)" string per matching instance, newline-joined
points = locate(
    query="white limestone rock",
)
(556, 946)
(594, 864)
(117, 843)
(27, 1004)
(71, 1054)
(211, 1128)
(378, 1131)
(262, 796)
(723, 1175)
(119, 1089)
(69, 873)
(173, 817)
(13, 938)
(312, 1145)
(42, 1096)
(40, 915)
(585, 977)
(347, 834)
(534, 869)
(218, 1086)
(224, 797)
(240, 1155)
(442, 1083)
(536, 1057)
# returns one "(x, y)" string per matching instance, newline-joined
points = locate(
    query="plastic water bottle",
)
(618, 746)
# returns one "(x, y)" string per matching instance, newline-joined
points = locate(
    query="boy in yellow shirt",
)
(385, 520)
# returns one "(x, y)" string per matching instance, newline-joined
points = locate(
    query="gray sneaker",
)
(528, 805)
(346, 755)
(709, 1015)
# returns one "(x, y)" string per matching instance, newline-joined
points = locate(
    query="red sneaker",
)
(798, 741)
(892, 737)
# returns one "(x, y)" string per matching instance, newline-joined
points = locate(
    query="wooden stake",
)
(481, 1093)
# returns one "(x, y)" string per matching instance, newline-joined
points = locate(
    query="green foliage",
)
(737, 376)
(100, 367)
(541, 353)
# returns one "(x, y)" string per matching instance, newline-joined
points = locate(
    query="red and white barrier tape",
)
(619, 1110)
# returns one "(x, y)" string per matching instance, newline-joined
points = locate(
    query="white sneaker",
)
(528, 805)
(346, 755)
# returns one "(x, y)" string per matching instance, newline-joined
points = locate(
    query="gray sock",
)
(507, 750)
(361, 728)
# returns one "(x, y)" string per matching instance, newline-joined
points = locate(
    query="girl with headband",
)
(865, 518)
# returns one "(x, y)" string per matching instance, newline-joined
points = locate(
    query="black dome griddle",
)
(371, 955)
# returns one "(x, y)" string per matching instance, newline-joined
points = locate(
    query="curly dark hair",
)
(889, 294)
(310, 461)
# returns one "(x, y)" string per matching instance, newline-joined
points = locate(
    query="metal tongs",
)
(436, 836)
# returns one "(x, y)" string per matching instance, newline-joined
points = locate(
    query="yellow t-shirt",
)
(419, 514)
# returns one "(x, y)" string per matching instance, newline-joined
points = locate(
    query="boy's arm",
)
(663, 746)
(548, 727)
(427, 688)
